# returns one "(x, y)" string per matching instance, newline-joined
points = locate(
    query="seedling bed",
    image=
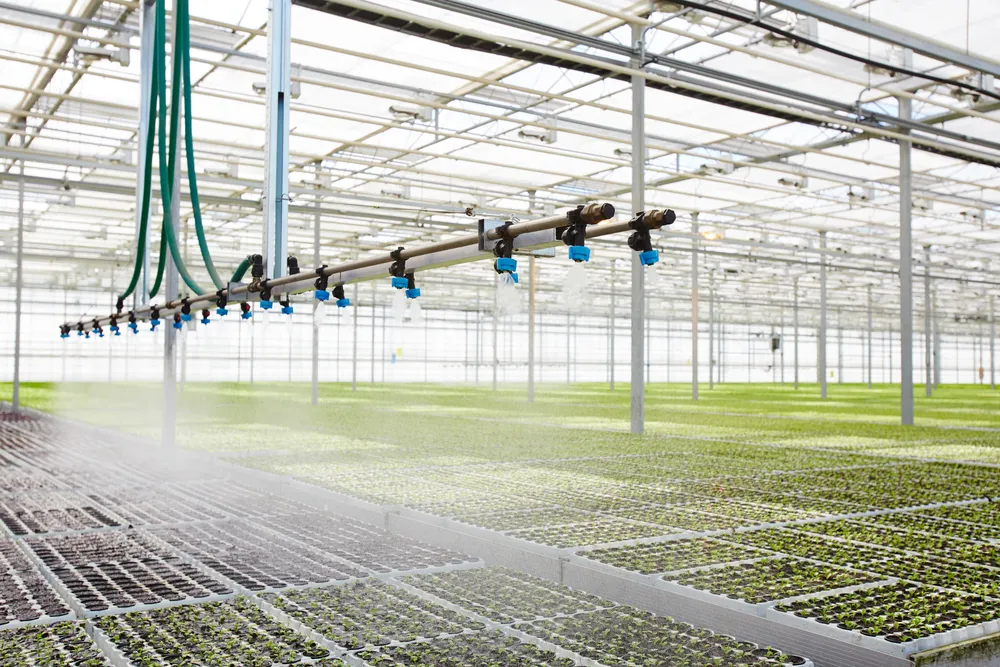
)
(253, 557)
(362, 544)
(58, 645)
(661, 557)
(600, 531)
(154, 506)
(25, 596)
(109, 571)
(234, 633)
(54, 512)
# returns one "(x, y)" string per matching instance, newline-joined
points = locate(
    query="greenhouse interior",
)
(496, 333)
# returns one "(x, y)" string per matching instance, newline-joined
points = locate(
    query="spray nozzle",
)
(64, 331)
(204, 316)
(79, 329)
(221, 304)
(154, 318)
(642, 223)
(342, 300)
(113, 325)
(245, 312)
(96, 326)
(575, 235)
(265, 296)
(398, 271)
(178, 322)
(286, 307)
(132, 323)
(412, 291)
(186, 311)
(321, 285)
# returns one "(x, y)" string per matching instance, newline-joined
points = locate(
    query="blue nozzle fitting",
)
(64, 335)
(205, 320)
(79, 333)
(413, 293)
(154, 323)
(186, 317)
(400, 282)
(322, 295)
(221, 312)
(247, 315)
(86, 335)
(649, 257)
(287, 310)
(514, 277)
(179, 324)
(134, 327)
(100, 334)
(266, 305)
(343, 303)
(579, 253)
(505, 265)
(115, 330)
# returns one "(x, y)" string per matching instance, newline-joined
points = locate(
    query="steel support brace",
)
(821, 349)
(279, 85)
(858, 23)
(906, 271)
(637, 413)
(928, 326)
(695, 323)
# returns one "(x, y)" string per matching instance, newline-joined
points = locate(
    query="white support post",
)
(993, 344)
(168, 437)
(795, 315)
(695, 324)
(611, 331)
(276, 132)
(19, 282)
(871, 344)
(928, 326)
(711, 331)
(569, 347)
(840, 349)
(821, 351)
(354, 341)
(315, 326)
(372, 360)
(496, 325)
(637, 399)
(906, 269)
(531, 330)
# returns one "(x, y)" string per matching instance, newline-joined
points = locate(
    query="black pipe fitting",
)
(398, 268)
(222, 301)
(338, 292)
(293, 266)
(258, 267)
(322, 280)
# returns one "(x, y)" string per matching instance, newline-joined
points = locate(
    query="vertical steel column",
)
(637, 399)
(928, 326)
(372, 362)
(711, 330)
(19, 282)
(611, 331)
(569, 347)
(465, 340)
(795, 316)
(147, 36)
(381, 363)
(170, 288)
(906, 269)
(871, 332)
(531, 330)
(993, 344)
(496, 324)
(427, 346)
(479, 320)
(315, 325)
(781, 342)
(821, 351)
(937, 340)
(276, 132)
(695, 324)
(840, 350)
(354, 341)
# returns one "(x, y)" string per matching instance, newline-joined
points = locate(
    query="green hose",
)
(185, 50)
(168, 170)
(242, 269)
(147, 183)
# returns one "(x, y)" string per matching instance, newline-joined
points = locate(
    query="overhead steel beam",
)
(858, 23)
(277, 132)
